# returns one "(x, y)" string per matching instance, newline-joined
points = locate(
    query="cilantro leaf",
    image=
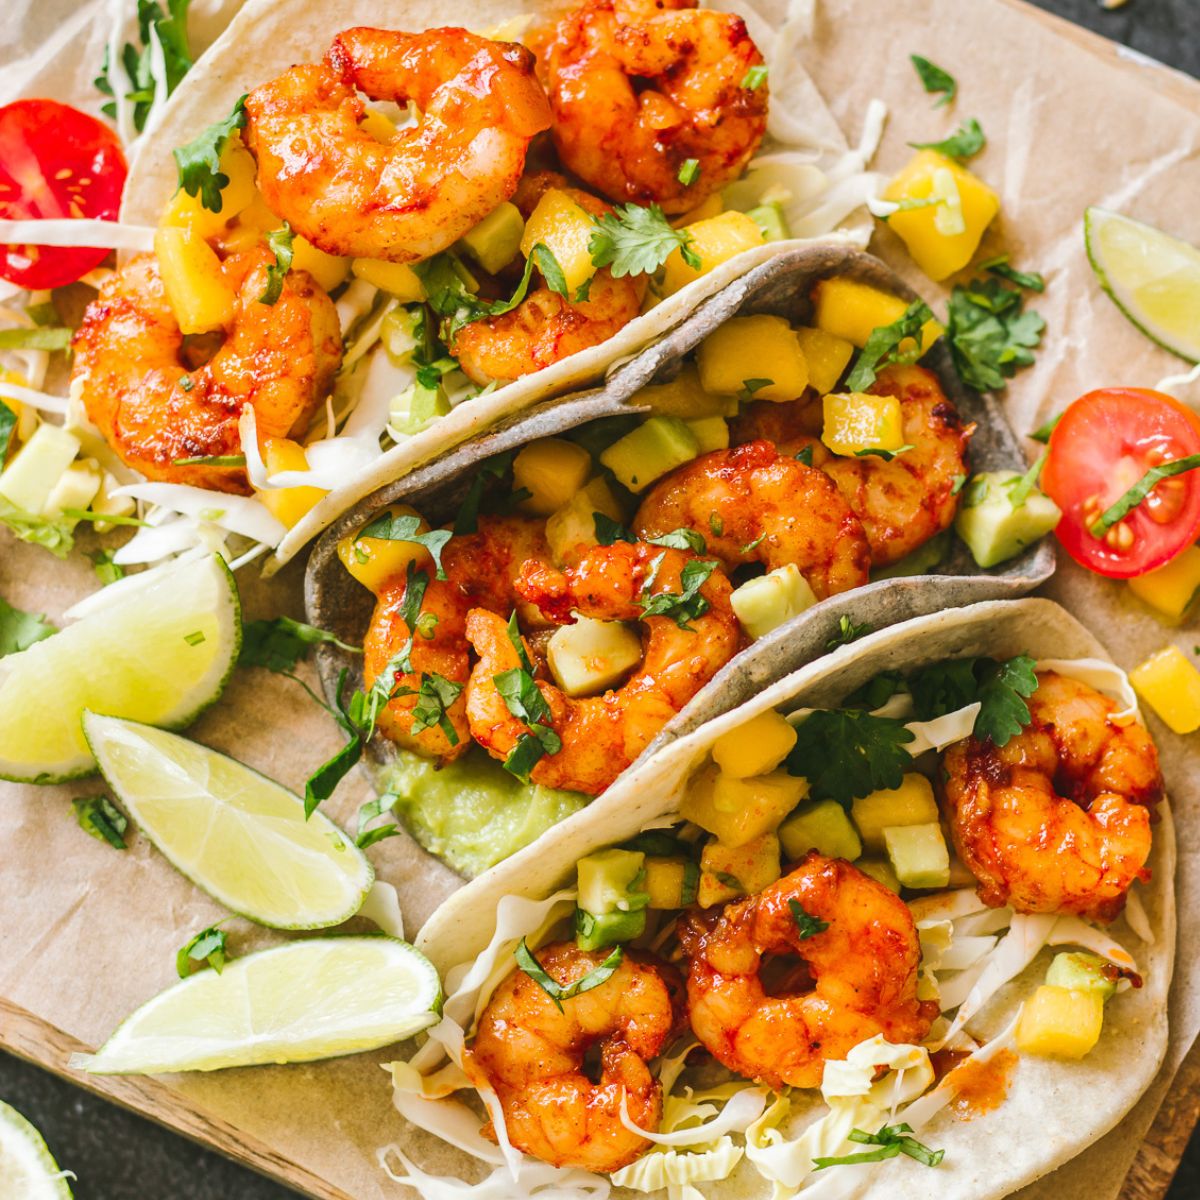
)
(1019, 488)
(609, 531)
(891, 1140)
(371, 810)
(805, 455)
(965, 142)
(208, 946)
(989, 334)
(847, 632)
(106, 568)
(885, 345)
(1001, 689)
(280, 242)
(683, 606)
(19, 630)
(51, 533)
(524, 756)
(280, 643)
(632, 240)
(848, 754)
(518, 644)
(944, 687)
(435, 695)
(999, 266)
(403, 527)
(522, 696)
(934, 79)
(8, 423)
(100, 817)
(557, 991)
(170, 32)
(880, 452)
(549, 269)
(681, 539)
(199, 162)
(807, 925)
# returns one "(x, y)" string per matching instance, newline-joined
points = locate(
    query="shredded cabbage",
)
(669, 1168)
(1105, 677)
(382, 906)
(78, 231)
(238, 514)
(942, 731)
(742, 1106)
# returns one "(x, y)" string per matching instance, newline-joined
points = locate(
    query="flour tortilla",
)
(1054, 1110)
(268, 36)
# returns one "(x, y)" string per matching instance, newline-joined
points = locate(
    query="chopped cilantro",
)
(847, 632)
(170, 32)
(523, 698)
(1000, 267)
(106, 568)
(280, 242)
(51, 533)
(208, 946)
(681, 539)
(750, 386)
(965, 142)
(885, 345)
(755, 77)
(689, 172)
(880, 452)
(632, 240)
(989, 334)
(435, 696)
(891, 1140)
(805, 455)
(280, 643)
(194, 639)
(957, 485)
(716, 525)
(683, 606)
(557, 991)
(100, 817)
(488, 471)
(934, 79)
(807, 925)
(19, 630)
(404, 527)
(372, 810)
(609, 531)
(211, 460)
(1019, 488)
(847, 754)
(549, 269)
(199, 162)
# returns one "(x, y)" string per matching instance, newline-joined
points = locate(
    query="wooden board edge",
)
(37, 1041)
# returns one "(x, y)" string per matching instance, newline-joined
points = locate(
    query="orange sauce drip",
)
(982, 1086)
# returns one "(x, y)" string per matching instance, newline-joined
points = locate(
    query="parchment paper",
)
(87, 933)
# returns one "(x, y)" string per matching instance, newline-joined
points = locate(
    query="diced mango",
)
(670, 882)
(740, 810)
(823, 827)
(327, 269)
(857, 421)
(552, 470)
(196, 288)
(938, 246)
(375, 561)
(758, 355)
(912, 803)
(684, 397)
(827, 357)
(1060, 1022)
(589, 656)
(756, 747)
(711, 433)
(918, 854)
(729, 871)
(711, 206)
(397, 279)
(1170, 684)
(658, 445)
(1172, 587)
(768, 601)
(714, 240)
(853, 311)
(288, 505)
(565, 229)
(574, 524)
(379, 125)
(187, 212)
(880, 870)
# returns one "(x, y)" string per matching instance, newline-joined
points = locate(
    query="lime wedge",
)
(233, 832)
(159, 652)
(1153, 278)
(27, 1168)
(311, 999)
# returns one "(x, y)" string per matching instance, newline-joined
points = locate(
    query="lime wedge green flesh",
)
(311, 999)
(1154, 278)
(161, 654)
(233, 832)
(27, 1168)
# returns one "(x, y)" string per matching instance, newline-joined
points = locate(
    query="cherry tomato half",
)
(55, 161)
(1104, 443)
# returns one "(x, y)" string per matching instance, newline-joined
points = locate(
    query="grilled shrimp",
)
(640, 87)
(1058, 819)
(416, 194)
(129, 370)
(481, 572)
(863, 969)
(546, 326)
(602, 735)
(904, 502)
(754, 504)
(532, 1055)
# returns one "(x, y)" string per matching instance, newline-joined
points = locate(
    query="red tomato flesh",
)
(55, 161)
(1104, 443)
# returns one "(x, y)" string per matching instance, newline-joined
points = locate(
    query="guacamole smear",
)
(472, 813)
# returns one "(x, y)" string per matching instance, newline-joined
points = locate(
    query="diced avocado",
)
(823, 827)
(671, 882)
(609, 881)
(402, 332)
(711, 433)
(575, 523)
(918, 855)
(912, 803)
(496, 240)
(591, 656)
(1060, 1022)
(416, 408)
(755, 747)
(920, 562)
(770, 219)
(766, 602)
(29, 478)
(76, 488)
(685, 397)
(1082, 972)
(594, 931)
(657, 446)
(993, 528)
(740, 810)
(729, 871)
(881, 871)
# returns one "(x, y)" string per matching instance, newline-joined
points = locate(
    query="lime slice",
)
(158, 652)
(27, 1168)
(312, 999)
(1153, 278)
(233, 832)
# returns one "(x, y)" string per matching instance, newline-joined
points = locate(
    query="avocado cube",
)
(711, 433)
(496, 240)
(671, 882)
(591, 656)
(918, 855)
(594, 931)
(416, 408)
(740, 810)
(401, 333)
(609, 881)
(574, 524)
(758, 355)
(730, 871)
(770, 219)
(1082, 972)
(29, 478)
(768, 601)
(684, 397)
(755, 747)
(881, 871)
(823, 827)
(912, 803)
(1060, 1022)
(993, 528)
(654, 448)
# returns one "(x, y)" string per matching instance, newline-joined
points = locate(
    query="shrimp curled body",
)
(531, 1055)
(154, 411)
(863, 965)
(1058, 819)
(416, 194)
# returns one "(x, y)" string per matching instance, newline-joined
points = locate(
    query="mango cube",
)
(1170, 684)
(199, 295)
(940, 246)
(710, 206)
(715, 240)
(288, 505)
(375, 561)
(853, 311)
(186, 211)
(768, 601)
(918, 855)
(1172, 587)
(711, 433)
(912, 803)
(552, 470)
(758, 355)
(730, 871)
(397, 279)
(1059, 1022)
(574, 525)
(565, 229)
(670, 882)
(857, 421)
(827, 357)
(740, 810)
(756, 747)
(591, 656)
(684, 397)
(327, 269)
(823, 827)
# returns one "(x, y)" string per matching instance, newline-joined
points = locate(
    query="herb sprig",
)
(557, 991)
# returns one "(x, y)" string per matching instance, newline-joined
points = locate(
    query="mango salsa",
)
(823, 827)
(397, 279)
(565, 229)
(196, 288)
(711, 206)
(940, 246)
(574, 524)
(715, 240)
(590, 656)
(186, 212)
(1060, 1022)
(374, 561)
(327, 269)
(1170, 684)
(827, 357)
(768, 601)
(288, 505)
(758, 356)
(853, 311)
(756, 747)
(739, 810)
(552, 470)
(657, 446)
(912, 803)
(729, 871)
(857, 421)
(684, 397)
(1170, 588)
(918, 854)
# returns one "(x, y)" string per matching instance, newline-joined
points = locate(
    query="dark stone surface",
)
(118, 1156)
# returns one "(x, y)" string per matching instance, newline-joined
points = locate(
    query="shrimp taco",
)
(901, 925)
(549, 604)
(341, 289)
